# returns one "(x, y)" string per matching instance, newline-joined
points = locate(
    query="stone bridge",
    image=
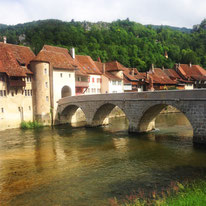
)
(140, 108)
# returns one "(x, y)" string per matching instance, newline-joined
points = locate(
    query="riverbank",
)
(176, 195)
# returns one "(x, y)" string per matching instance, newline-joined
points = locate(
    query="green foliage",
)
(177, 195)
(130, 43)
(31, 125)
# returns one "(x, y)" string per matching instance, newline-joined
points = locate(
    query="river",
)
(88, 166)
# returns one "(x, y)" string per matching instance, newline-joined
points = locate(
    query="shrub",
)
(30, 125)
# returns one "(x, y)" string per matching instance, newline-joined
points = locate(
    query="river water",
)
(88, 166)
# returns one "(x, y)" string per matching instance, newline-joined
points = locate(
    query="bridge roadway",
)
(140, 108)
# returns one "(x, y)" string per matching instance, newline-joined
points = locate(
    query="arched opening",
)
(66, 91)
(108, 113)
(163, 116)
(73, 115)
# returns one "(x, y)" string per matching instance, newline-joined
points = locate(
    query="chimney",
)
(4, 38)
(132, 71)
(190, 64)
(163, 68)
(72, 52)
(99, 59)
(152, 68)
(147, 75)
(103, 68)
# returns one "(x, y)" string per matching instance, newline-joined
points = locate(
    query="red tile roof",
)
(114, 66)
(159, 77)
(175, 76)
(10, 59)
(192, 72)
(56, 59)
(88, 65)
(111, 76)
(127, 74)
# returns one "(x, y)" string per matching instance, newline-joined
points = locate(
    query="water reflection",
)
(79, 166)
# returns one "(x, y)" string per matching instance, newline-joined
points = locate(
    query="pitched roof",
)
(10, 60)
(88, 65)
(194, 71)
(111, 76)
(127, 74)
(175, 76)
(114, 66)
(160, 77)
(22, 54)
(57, 59)
(63, 51)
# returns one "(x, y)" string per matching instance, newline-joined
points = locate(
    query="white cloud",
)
(177, 12)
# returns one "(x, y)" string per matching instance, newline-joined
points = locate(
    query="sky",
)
(180, 13)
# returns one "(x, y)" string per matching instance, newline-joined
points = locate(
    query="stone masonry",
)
(141, 108)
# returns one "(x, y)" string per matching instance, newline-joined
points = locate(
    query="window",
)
(46, 84)
(93, 90)
(47, 98)
(88, 79)
(93, 79)
(98, 91)
(12, 94)
(88, 90)
(45, 71)
(25, 92)
(113, 82)
(69, 75)
(2, 93)
(28, 92)
(2, 110)
(30, 108)
(99, 80)
(19, 109)
(28, 79)
(119, 82)
(61, 75)
(1, 78)
(31, 92)
(79, 79)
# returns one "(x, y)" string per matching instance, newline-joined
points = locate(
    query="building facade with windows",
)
(16, 104)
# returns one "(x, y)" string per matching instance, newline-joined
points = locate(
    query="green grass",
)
(190, 194)
(30, 125)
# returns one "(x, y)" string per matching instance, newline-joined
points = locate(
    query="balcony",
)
(17, 83)
(82, 84)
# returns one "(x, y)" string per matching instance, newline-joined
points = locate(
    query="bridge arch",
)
(147, 120)
(101, 116)
(66, 91)
(72, 114)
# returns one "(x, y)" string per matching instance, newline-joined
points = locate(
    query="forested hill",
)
(132, 44)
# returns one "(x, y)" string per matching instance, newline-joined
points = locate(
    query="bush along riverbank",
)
(186, 194)
(31, 125)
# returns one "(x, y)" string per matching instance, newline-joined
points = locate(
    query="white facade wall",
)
(189, 86)
(116, 86)
(140, 88)
(127, 87)
(94, 84)
(62, 78)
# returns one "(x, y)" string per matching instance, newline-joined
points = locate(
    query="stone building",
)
(54, 78)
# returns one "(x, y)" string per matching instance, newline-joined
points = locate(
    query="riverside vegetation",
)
(31, 125)
(176, 195)
(130, 43)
